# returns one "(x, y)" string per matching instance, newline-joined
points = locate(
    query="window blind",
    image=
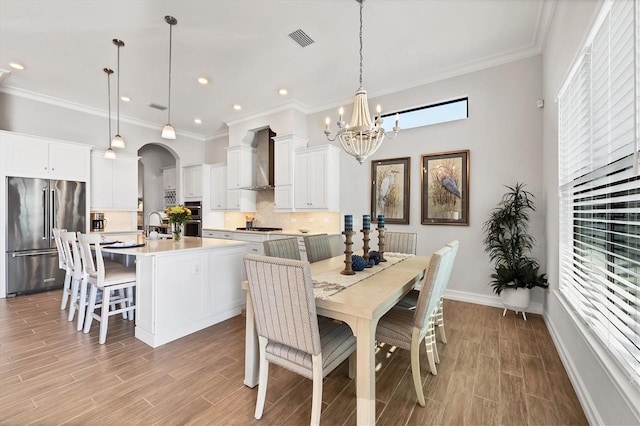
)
(600, 186)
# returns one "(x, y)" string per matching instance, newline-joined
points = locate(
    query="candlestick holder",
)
(347, 253)
(381, 244)
(365, 246)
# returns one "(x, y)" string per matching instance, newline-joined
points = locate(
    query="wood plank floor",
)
(493, 370)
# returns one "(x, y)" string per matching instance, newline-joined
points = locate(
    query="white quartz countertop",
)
(166, 246)
(292, 232)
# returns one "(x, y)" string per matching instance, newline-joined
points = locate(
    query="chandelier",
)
(363, 136)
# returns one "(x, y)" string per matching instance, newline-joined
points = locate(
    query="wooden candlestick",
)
(365, 247)
(381, 244)
(347, 253)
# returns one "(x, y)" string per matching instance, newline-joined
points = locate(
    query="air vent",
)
(301, 38)
(156, 106)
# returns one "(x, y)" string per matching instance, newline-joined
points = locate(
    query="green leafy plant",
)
(509, 243)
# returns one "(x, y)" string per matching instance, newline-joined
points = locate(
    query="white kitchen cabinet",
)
(219, 234)
(284, 164)
(33, 156)
(317, 178)
(242, 200)
(240, 167)
(219, 187)
(114, 183)
(192, 179)
(169, 178)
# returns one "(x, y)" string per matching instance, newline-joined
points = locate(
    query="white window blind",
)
(600, 185)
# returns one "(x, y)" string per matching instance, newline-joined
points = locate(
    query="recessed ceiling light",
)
(16, 66)
(283, 91)
(197, 121)
(237, 107)
(203, 80)
(125, 99)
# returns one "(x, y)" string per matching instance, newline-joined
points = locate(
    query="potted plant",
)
(509, 245)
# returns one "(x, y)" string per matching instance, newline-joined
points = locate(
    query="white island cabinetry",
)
(185, 286)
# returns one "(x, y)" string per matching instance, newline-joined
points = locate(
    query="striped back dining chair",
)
(286, 248)
(318, 247)
(400, 242)
(290, 334)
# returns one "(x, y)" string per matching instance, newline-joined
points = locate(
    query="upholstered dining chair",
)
(286, 248)
(400, 242)
(411, 299)
(63, 264)
(290, 334)
(107, 280)
(318, 247)
(407, 329)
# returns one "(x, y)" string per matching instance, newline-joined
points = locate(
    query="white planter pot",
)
(516, 299)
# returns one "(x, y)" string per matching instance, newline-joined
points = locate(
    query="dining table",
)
(360, 305)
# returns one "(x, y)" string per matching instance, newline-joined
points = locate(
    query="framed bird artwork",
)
(390, 190)
(445, 188)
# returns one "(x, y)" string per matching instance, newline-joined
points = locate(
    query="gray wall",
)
(504, 136)
(604, 390)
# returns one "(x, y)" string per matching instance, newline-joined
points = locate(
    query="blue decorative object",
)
(348, 222)
(358, 263)
(375, 256)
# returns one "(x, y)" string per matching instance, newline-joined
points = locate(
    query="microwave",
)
(196, 209)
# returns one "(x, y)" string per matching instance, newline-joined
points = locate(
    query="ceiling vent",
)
(156, 106)
(301, 38)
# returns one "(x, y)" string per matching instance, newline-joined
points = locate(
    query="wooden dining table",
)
(360, 306)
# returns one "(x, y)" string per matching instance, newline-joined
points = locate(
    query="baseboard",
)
(483, 299)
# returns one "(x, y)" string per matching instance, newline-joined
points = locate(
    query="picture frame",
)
(390, 194)
(445, 188)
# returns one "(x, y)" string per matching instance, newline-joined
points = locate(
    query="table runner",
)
(331, 282)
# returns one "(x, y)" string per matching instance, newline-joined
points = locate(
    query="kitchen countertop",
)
(167, 246)
(292, 232)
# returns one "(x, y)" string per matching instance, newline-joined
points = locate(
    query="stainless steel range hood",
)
(264, 159)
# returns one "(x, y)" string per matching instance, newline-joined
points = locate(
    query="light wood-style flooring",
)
(494, 370)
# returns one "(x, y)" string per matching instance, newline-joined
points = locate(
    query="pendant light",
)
(118, 141)
(167, 131)
(109, 153)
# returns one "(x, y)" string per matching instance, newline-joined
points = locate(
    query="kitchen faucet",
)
(149, 220)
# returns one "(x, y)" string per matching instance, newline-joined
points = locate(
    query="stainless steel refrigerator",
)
(34, 208)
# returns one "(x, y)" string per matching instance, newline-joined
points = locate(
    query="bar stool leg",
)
(91, 307)
(104, 317)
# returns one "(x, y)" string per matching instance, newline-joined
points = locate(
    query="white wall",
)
(504, 136)
(604, 390)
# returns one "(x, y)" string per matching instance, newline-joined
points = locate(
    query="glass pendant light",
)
(109, 153)
(167, 131)
(118, 141)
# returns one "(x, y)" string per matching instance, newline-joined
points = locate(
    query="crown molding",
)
(293, 104)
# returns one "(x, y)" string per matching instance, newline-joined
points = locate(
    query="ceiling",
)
(243, 48)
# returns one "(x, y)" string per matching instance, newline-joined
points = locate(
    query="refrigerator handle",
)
(45, 221)
(52, 213)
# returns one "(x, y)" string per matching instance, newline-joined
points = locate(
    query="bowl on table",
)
(304, 230)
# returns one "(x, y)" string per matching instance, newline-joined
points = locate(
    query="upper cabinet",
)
(240, 167)
(169, 178)
(317, 178)
(32, 156)
(285, 149)
(192, 180)
(219, 187)
(114, 183)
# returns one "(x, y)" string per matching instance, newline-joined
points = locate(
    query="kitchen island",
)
(183, 286)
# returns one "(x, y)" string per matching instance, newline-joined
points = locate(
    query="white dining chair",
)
(400, 242)
(286, 248)
(108, 280)
(407, 329)
(290, 334)
(63, 264)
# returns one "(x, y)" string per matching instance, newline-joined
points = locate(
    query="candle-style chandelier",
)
(362, 137)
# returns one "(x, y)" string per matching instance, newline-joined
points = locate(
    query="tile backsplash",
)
(119, 221)
(266, 216)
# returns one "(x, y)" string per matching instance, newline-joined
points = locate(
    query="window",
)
(427, 115)
(600, 185)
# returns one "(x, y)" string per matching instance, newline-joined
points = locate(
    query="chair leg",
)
(65, 291)
(316, 399)
(440, 322)
(82, 304)
(263, 377)
(104, 314)
(429, 341)
(90, 308)
(415, 371)
(130, 302)
(123, 303)
(75, 288)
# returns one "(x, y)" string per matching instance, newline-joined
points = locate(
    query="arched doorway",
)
(155, 158)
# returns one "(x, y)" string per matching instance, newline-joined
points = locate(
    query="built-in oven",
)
(193, 227)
